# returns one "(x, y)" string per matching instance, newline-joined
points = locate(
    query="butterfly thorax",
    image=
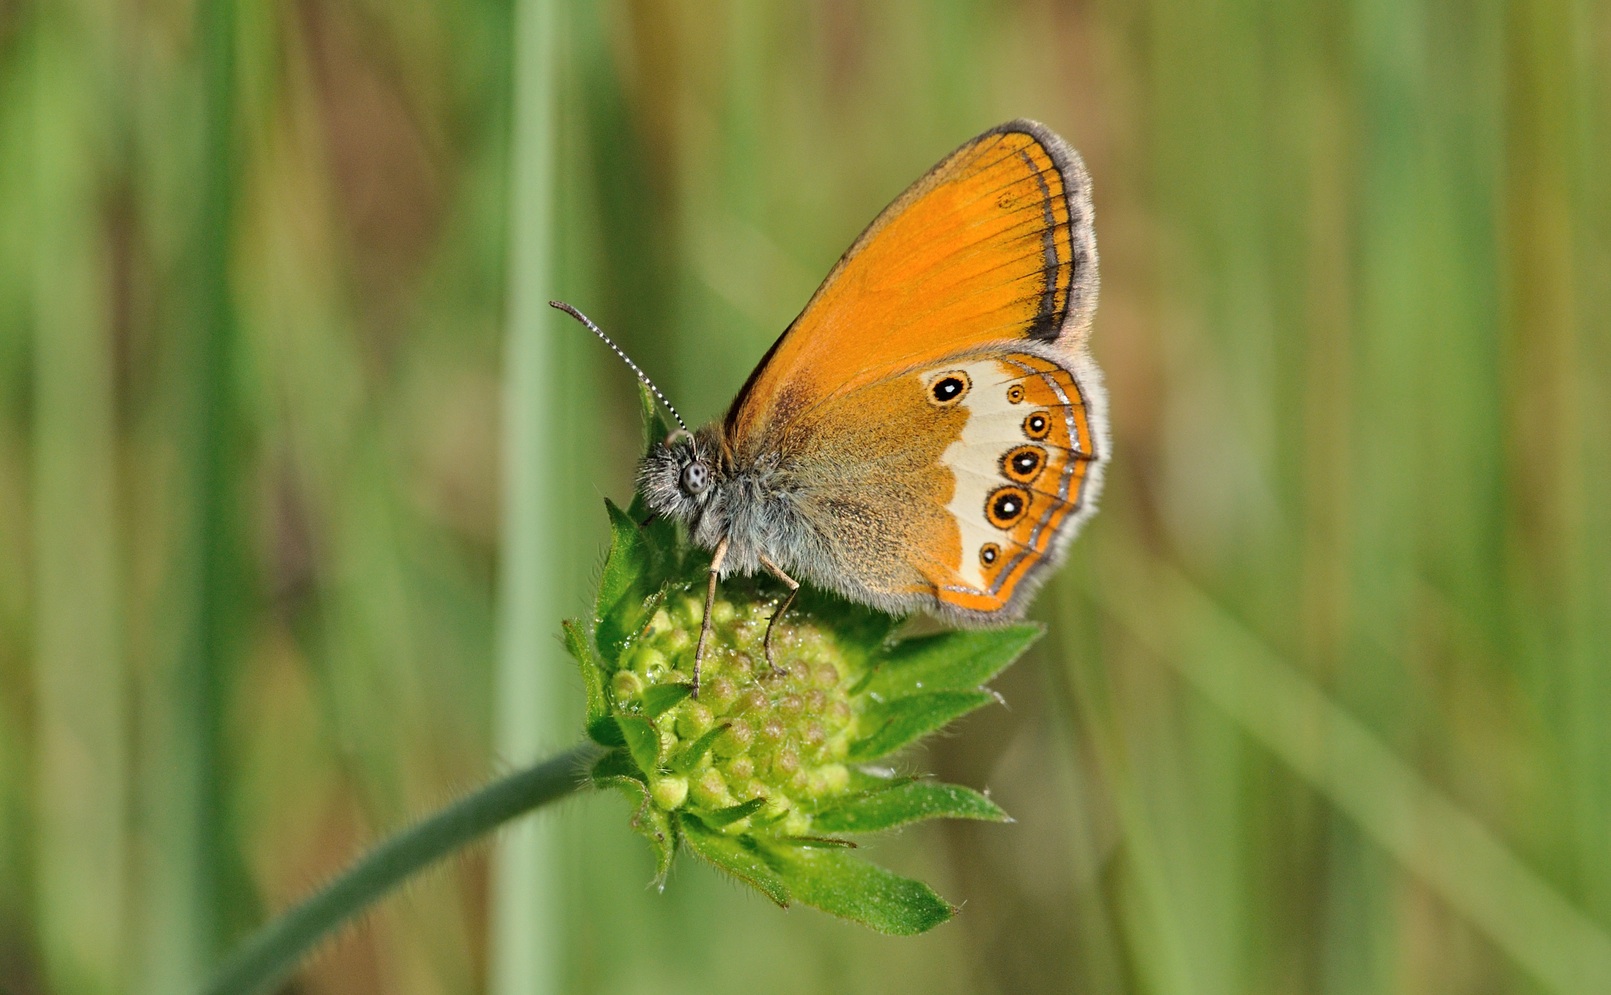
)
(697, 480)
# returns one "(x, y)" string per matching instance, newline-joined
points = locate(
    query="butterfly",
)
(930, 432)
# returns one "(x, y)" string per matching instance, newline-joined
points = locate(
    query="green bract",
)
(767, 768)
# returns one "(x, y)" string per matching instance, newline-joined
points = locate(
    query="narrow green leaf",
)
(827, 841)
(642, 740)
(617, 769)
(625, 566)
(655, 428)
(587, 661)
(727, 816)
(950, 661)
(656, 700)
(738, 856)
(892, 725)
(838, 882)
(614, 765)
(906, 802)
(661, 830)
(655, 431)
(690, 757)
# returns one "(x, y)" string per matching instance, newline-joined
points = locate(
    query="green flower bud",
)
(650, 663)
(626, 684)
(709, 790)
(736, 739)
(693, 721)
(690, 612)
(669, 792)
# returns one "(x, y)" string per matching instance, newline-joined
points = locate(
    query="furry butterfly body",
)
(930, 432)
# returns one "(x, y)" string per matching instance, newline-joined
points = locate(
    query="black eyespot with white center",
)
(949, 388)
(1015, 394)
(1006, 505)
(1037, 425)
(1023, 463)
(989, 553)
(695, 478)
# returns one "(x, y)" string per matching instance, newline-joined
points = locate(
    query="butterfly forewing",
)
(992, 246)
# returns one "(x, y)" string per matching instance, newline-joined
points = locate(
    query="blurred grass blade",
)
(1349, 765)
(195, 893)
(526, 928)
(81, 722)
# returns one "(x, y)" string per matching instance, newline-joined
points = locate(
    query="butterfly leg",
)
(794, 589)
(710, 603)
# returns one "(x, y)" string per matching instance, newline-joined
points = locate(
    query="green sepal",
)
(690, 757)
(605, 732)
(739, 856)
(613, 766)
(827, 841)
(656, 700)
(838, 882)
(894, 724)
(655, 428)
(655, 431)
(592, 670)
(642, 741)
(950, 661)
(727, 816)
(627, 561)
(617, 769)
(624, 589)
(905, 802)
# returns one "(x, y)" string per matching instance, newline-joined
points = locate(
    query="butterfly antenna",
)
(596, 330)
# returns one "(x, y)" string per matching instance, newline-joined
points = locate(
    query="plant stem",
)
(270, 954)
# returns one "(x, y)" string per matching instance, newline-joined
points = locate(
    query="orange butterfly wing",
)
(984, 270)
(992, 245)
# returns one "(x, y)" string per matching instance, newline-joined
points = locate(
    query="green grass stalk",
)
(529, 678)
(1420, 826)
(79, 679)
(189, 905)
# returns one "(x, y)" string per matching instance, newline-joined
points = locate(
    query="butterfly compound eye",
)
(695, 477)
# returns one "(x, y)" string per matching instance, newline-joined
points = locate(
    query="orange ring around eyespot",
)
(1023, 463)
(1006, 505)
(948, 388)
(1038, 425)
(1015, 394)
(989, 553)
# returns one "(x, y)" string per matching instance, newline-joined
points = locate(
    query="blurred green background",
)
(298, 477)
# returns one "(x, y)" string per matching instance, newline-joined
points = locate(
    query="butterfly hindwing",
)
(1026, 469)
(952, 485)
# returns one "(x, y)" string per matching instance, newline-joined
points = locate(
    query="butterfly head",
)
(679, 476)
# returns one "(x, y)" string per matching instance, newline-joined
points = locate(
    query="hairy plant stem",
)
(271, 953)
